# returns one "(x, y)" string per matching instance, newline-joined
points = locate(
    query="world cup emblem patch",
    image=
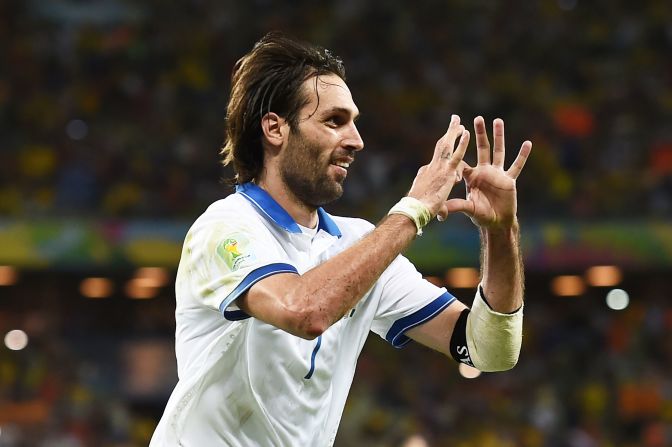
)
(235, 250)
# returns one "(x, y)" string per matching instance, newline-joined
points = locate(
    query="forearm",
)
(502, 268)
(494, 328)
(489, 335)
(325, 293)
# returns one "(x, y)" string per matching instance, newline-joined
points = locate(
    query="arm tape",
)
(414, 210)
(493, 338)
(459, 347)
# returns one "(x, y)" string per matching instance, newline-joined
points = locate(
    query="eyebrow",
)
(343, 110)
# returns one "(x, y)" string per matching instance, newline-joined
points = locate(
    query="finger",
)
(498, 151)
(519, 162)
(444, 142)
(467, 174)
(449, 142)
(482, 143)
(459, 170)
(442, 214)
(459, 206)
(461, 149)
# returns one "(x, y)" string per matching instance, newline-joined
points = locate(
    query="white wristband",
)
(414, 210)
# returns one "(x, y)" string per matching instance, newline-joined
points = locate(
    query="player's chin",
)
(331, 192)
(337, 190)
(335, 178)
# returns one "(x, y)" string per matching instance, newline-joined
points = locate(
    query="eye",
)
(334, 121)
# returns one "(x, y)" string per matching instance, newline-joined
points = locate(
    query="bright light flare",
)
(568, 285)
(618, 299)
(603, 276)
(463, 277)
(152, 276)
(16, 340)
(96, 287)
(137, 289)
(8, 275)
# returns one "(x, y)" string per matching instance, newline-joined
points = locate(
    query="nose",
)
(353, 140)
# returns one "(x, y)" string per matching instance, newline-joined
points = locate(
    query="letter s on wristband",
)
(414, 210)
(459, 348)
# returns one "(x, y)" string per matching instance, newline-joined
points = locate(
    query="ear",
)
(274, 128)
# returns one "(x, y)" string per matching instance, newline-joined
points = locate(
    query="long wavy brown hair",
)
(269, 79)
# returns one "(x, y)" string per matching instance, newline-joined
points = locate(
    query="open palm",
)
(491, 191)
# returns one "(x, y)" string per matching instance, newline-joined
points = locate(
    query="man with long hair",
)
(275, 297)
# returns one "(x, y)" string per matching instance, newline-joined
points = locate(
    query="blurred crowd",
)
(115, 108)
(588, 376)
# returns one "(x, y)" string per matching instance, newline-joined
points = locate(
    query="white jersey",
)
(243, 382)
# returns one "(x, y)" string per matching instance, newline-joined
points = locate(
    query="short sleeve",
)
(226, 259)
(406, 300)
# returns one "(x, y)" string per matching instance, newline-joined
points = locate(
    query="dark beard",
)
(305, 177)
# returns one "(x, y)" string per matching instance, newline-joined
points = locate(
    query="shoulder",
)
(232, 209)
(233, 214)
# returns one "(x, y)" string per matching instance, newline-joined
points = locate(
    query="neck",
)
(302, 213)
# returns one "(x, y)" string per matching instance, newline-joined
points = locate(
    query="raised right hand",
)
(435, 180)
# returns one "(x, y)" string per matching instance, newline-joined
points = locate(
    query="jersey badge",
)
(234, 251)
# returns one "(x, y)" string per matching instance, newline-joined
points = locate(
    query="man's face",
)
(320, 149)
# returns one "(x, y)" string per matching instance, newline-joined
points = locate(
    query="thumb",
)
(459, 170)
(442, 214)
(459, 206)
(467, 172)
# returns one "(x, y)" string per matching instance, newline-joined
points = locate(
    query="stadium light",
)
(96, 288)
(568, 285)
(462, 277)
(137, 289)
(618, 299)
(16, 340)
(603, 276)
(152, 276)
(8, 275)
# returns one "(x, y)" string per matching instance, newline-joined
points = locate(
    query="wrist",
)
(415, 210)
(507, 230)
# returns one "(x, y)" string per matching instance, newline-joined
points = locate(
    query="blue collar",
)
(272, 209)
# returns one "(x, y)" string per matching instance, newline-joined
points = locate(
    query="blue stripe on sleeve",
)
(396, 337)
(253, 277)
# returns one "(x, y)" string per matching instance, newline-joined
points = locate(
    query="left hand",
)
(491, 201)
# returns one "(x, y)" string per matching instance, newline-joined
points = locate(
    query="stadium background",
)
(111, 118)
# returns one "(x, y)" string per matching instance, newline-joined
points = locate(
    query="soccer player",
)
(276, 297)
